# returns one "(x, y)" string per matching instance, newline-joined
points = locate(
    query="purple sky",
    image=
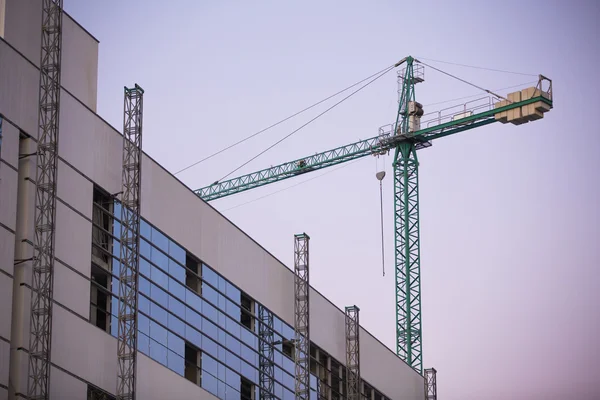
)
(509, 215)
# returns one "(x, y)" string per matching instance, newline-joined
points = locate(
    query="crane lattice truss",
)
(266, 360)
(430, 384)
(130, 241)
(42, 286)
(353, 387)
(301, 320)
(407, 135)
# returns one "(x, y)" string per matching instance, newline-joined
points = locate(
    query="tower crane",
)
(411, 131)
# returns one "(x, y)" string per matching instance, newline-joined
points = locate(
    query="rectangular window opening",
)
(288, 348)
(102, 228)
(100, 298)
(246, 389)
(192, 364)
(247, 311)
(192, 280)
(97, 394)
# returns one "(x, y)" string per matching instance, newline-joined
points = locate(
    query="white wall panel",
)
(8, 196)
(18, 371)
(73, 239)
(4, 362)
(75, 189)
(7, 250)
(19, 81)
(20, 317)
(81, 348)
(79, 63)
(325, 314)
(177, 211)
(382, 368)
(155, 382)
(66, 387)
(23, 27)
(89, 144)
(72, 290)
(10, 144)
(6, 288)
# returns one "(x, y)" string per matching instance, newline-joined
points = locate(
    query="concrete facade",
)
(90, 153)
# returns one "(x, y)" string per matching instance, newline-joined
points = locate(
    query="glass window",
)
(232, 378)
(158, 352)
(209, 383)
(249, 355)
(221, 318)
(145, 249)
(159, 314)
(145, 229)
(210, 276)
(159, 295)
(175, 343)
(176, 363)
(176, 289)
(176, 325)
(233, 327)
(210, 295)
(222, 284)
(193, 318)
(193, 300)
(143, 324)
(160, 259)
(159, 278)
(114, 327)
(143, 343)
(144, 304)
(232, 309)
(176, 307)
(193, 336)
(232, 292)
(144, 267)
(249, 372)
(210, 329)
(117, 248)
(209, 312)
(221, 390)
(209, 364)
(249, 338)
(177, 252)
(158, 333)
(160, 240)
(233, 344)
(176, 270)
(209, 346)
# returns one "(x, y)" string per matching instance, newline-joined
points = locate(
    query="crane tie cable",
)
(310, 121)
(283, 120)
(464, 81)
(477, 67)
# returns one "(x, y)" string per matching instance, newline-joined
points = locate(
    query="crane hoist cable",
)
(283, 120)
(309, 121)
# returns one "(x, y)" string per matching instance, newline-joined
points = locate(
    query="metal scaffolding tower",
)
(430, 384)
(267, 360)
(42, 286)
(353, 390)
(301, 320)
(130, 240)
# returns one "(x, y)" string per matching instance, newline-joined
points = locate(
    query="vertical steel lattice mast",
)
(42, 286)
(301, 320)
(353, 391)
(267, 360)
(430, 384)
(130, 240)
(406, 230)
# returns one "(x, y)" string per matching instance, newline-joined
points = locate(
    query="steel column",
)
(42, 286)
(353, 389)
(130, 240)
(430, 384)
(301, 320)
(266, 360)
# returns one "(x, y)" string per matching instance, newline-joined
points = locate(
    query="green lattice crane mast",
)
(405, 137)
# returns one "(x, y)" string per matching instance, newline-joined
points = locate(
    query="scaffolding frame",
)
(353, 389)
(42, 286)
(301, 317)
(267, 355)
(430, 384)
(130, 241)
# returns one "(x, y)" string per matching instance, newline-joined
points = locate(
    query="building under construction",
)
(118, 281)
